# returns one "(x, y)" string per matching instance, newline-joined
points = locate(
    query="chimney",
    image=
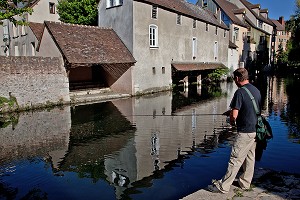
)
(281, 20)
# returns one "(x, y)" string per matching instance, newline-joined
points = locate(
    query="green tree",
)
(78, 11)
(282, 56)
(293, 25)
(9, 9)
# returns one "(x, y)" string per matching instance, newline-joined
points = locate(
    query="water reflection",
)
(135, 148)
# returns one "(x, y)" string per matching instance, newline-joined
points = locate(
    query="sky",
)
(276, 8)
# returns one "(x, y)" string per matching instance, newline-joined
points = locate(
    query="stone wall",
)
(34, 81)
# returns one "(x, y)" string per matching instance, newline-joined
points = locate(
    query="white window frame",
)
(153, 36)
(154, 12)
(194, 47)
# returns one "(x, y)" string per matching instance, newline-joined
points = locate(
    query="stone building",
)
(250, 27)
(92, 56)
(234, 18)
(282, 35)
(163, 36)
(259, 36)
(19, 40)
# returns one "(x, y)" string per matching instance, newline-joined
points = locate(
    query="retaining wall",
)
(34, 81)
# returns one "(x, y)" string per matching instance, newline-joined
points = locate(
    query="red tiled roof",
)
(197, 66)
(37, 29)
(81, 44)
(188, 9)
(230, 9)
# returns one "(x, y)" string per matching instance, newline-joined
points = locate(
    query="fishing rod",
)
(202, 114)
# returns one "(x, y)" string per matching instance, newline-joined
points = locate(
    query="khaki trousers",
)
(242, 154)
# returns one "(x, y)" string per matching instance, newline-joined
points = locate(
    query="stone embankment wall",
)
(33, 81)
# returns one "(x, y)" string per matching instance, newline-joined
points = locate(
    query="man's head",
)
(240, 76)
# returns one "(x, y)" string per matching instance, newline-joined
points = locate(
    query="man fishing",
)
(243, 116)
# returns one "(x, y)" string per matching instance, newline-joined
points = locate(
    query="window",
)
(204, 3)
(236, 34)
(15, 31)
(17, 51)
(262, 39)
(153, 36)
(163, 111)
(206, 27)
(248, 39)
(154, 12)
(5, 34)
(178, 21)
(32, 48)
(113, 3)
(6, 50)
(52, 8)
(23, 30)
(154, 113)
(224, 33)
(216, 51)
(249, 55)
(194, 47)
(163, 70)
(260, 24)
(153, 71)
(194, 23)
(24, 49)
(216, 30)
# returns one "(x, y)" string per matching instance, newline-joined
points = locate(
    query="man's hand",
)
(227, 113)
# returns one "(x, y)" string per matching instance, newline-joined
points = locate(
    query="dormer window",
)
(113, 3)
(260, 24)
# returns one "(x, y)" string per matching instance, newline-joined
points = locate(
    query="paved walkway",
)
(267, 185)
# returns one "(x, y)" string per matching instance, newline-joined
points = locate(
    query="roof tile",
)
(89, 44)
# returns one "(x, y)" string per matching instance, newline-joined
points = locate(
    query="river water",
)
(160, 146)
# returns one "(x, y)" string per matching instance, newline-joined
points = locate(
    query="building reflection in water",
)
(123, 141)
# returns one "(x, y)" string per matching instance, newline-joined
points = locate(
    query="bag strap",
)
(253, 100)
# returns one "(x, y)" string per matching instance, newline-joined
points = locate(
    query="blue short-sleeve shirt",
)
(247, 117)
